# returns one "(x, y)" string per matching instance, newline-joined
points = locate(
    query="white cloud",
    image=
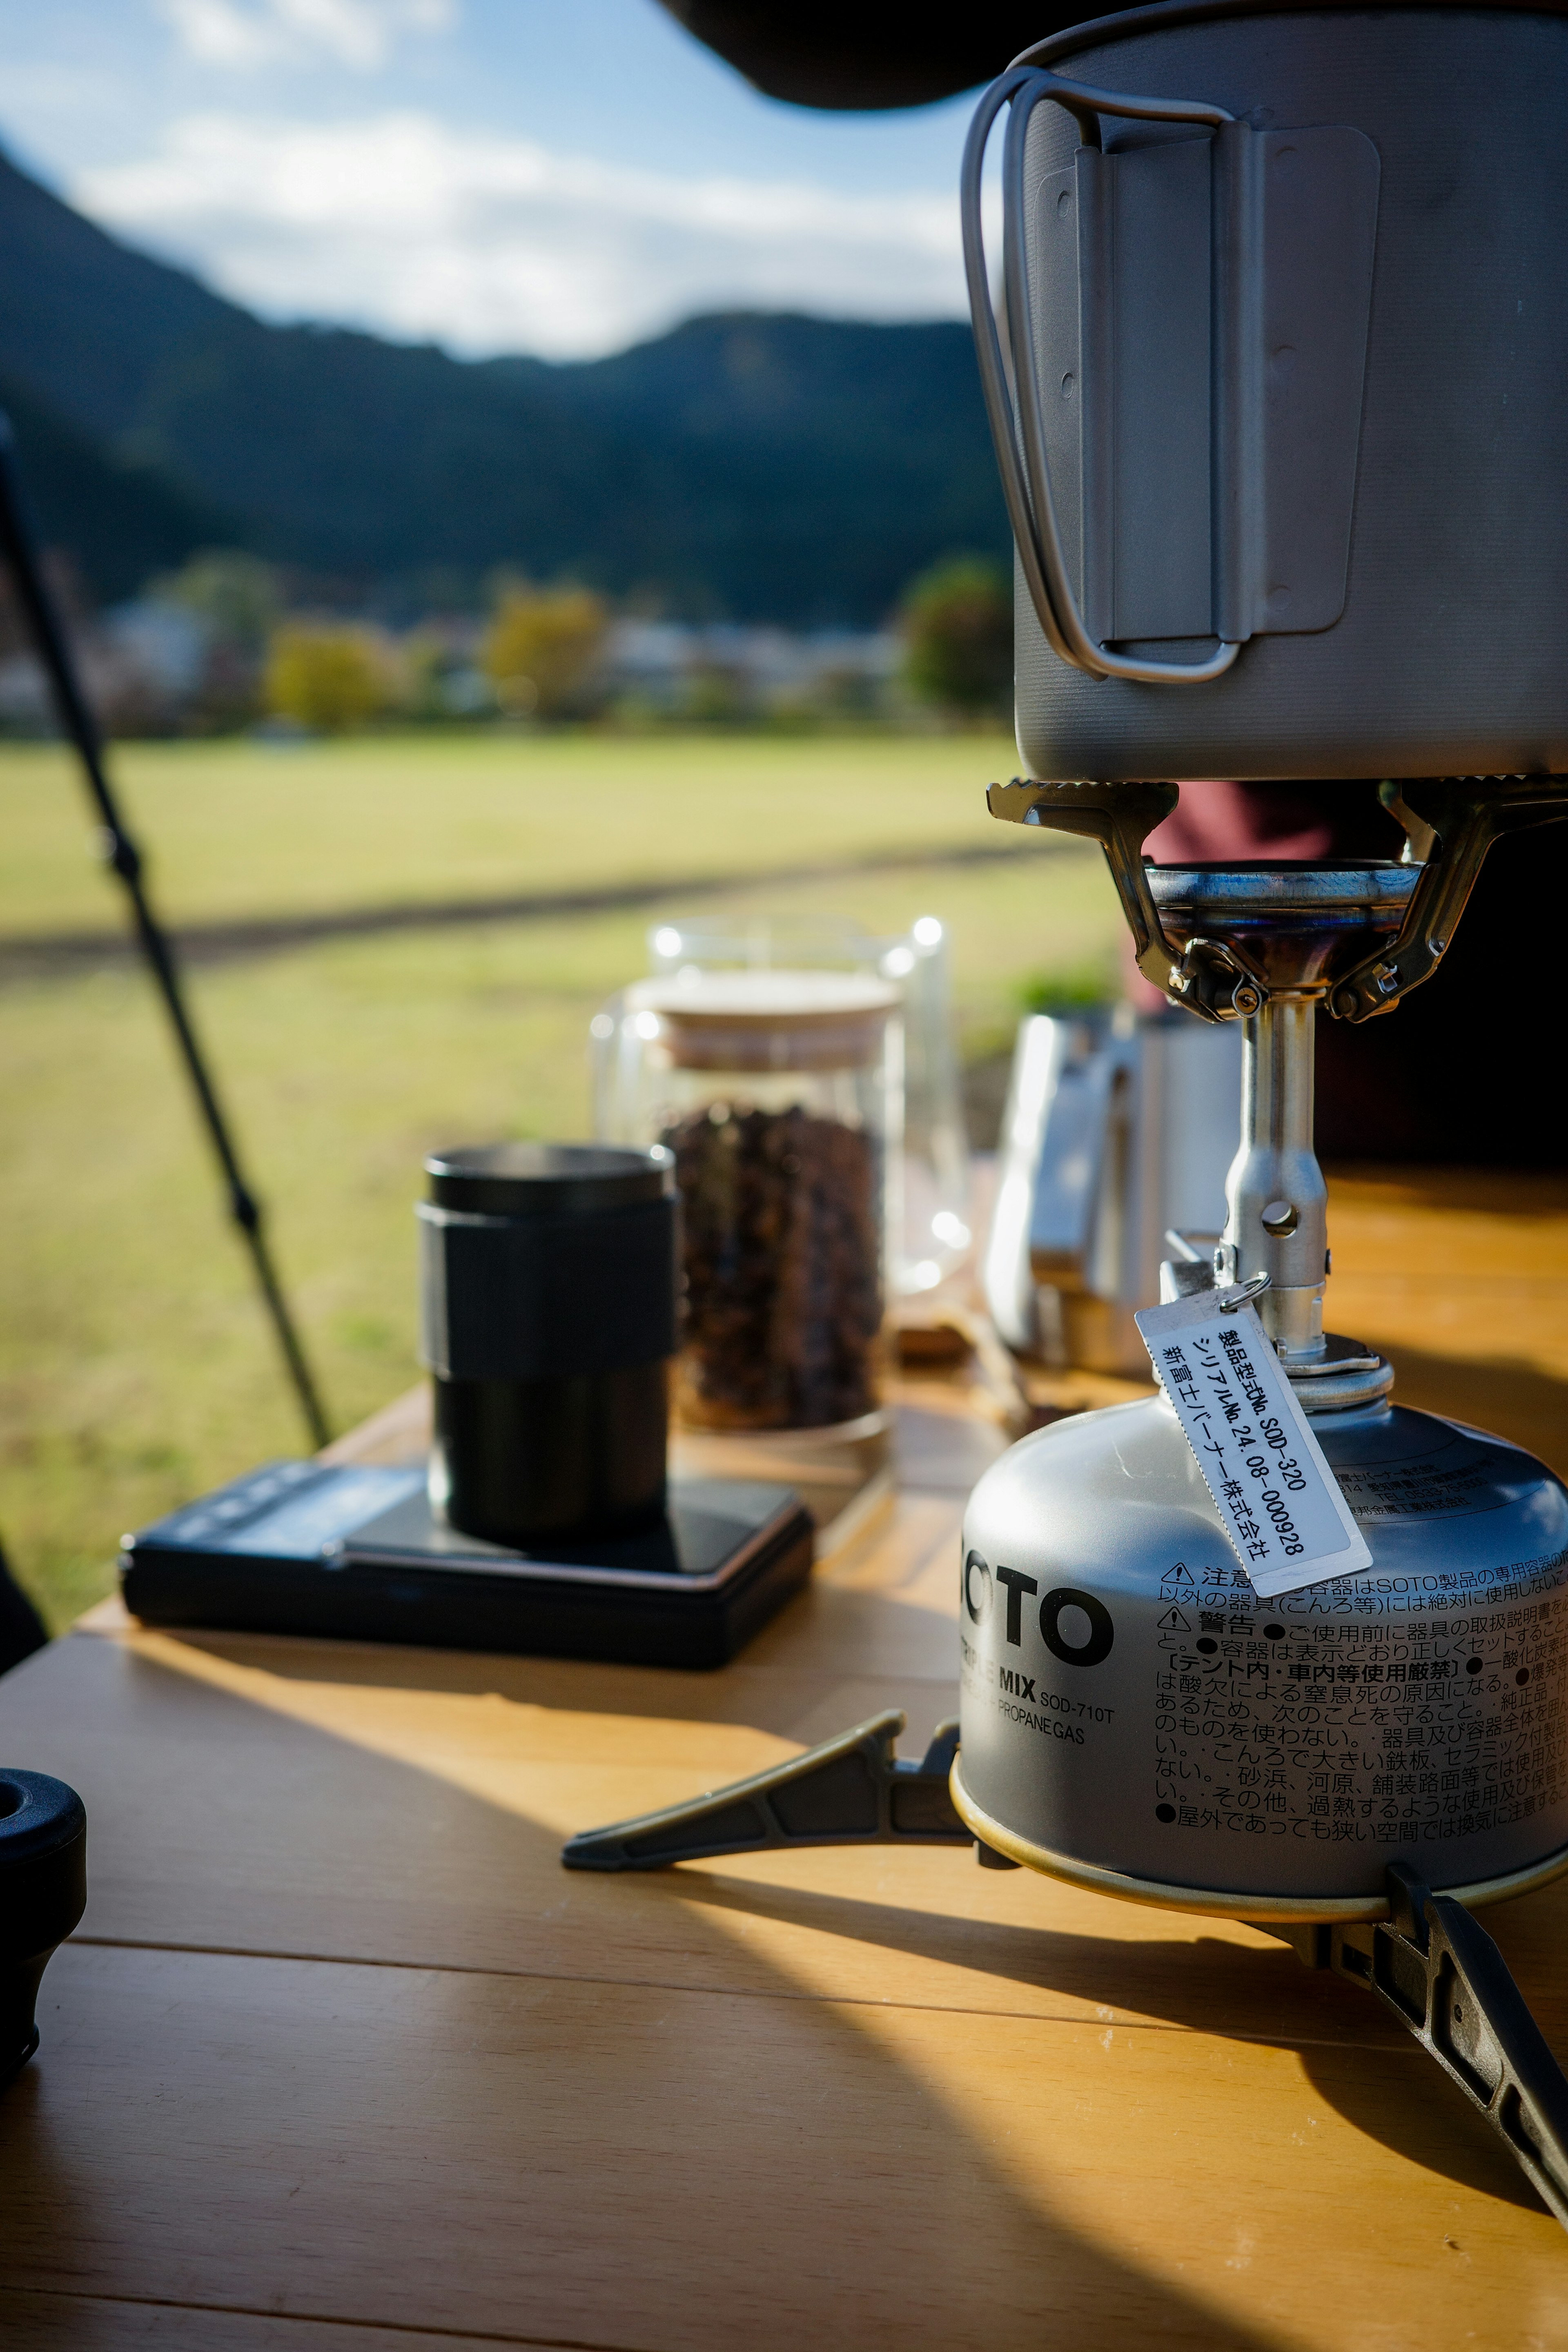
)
(407, 225)
(356, 33)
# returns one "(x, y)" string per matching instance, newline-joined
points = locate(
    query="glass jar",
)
(934, 1234)
(779, 1094)
(929, 1229)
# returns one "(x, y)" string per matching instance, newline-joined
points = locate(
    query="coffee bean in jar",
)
(779, 1094)
(782, 1259)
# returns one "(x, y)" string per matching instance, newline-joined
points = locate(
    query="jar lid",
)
(548, 1179)
(770, 1019)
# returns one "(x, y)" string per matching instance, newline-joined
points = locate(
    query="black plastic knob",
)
(43, 1893)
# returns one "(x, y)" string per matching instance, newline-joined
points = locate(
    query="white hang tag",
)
(1278, 1499)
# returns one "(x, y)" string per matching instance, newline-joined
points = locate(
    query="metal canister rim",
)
(1227, 1903)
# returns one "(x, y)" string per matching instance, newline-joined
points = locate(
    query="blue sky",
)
(559, 176)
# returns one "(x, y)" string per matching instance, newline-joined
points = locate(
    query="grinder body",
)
(1135, 1717)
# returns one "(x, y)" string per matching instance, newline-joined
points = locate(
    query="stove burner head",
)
(1300, 928)
(1238, 935)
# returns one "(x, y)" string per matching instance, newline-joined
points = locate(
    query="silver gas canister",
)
(1133, 1714)
(1135, 1718)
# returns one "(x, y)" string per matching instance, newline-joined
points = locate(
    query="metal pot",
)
(1287, 296)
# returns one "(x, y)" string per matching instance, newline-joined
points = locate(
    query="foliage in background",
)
(440, 680)
(235, 598)
(958, 627)
(1077, 989)
(191, 656)
(327, 679)
(232, 604)
(543, 649)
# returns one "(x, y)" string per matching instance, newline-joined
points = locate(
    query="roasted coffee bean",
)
(781, 1259)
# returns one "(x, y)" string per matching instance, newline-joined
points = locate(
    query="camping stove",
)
(1134, 1715)
(1355, 1763)
(1276, 397)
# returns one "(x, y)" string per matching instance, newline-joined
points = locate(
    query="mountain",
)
(119, 519)
(749, 467)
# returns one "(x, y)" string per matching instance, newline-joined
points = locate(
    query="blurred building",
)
(722, 669)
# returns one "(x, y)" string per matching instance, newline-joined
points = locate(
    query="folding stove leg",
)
(1443, 1977)
(851, 1790)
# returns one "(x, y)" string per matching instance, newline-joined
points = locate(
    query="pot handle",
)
(1025, 471)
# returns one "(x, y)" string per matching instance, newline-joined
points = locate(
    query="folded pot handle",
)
(1025, 468)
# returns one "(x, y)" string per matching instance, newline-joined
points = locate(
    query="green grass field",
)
(134, 1366)
(246, 828)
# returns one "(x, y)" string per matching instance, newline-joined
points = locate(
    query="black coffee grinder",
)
(544, 1522)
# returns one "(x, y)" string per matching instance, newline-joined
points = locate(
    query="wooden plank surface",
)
(344, 2060)
(557, 2161)
(58, 2321)
(1462, 1278)
(402, 1806)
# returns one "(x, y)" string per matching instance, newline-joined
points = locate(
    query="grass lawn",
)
(134, 1366)
(246, 828)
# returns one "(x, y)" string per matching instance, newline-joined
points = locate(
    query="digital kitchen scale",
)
(357, 1554)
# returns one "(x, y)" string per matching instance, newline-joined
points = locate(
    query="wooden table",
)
(343, 2061)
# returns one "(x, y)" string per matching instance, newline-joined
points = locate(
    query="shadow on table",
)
(214, 2120)
(1357, 2057)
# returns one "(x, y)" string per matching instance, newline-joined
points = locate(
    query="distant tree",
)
(958, 631)
(716, 694)
(235, 596)
(543, 649)
(437, 681)
(330, 680)
(235, 604)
